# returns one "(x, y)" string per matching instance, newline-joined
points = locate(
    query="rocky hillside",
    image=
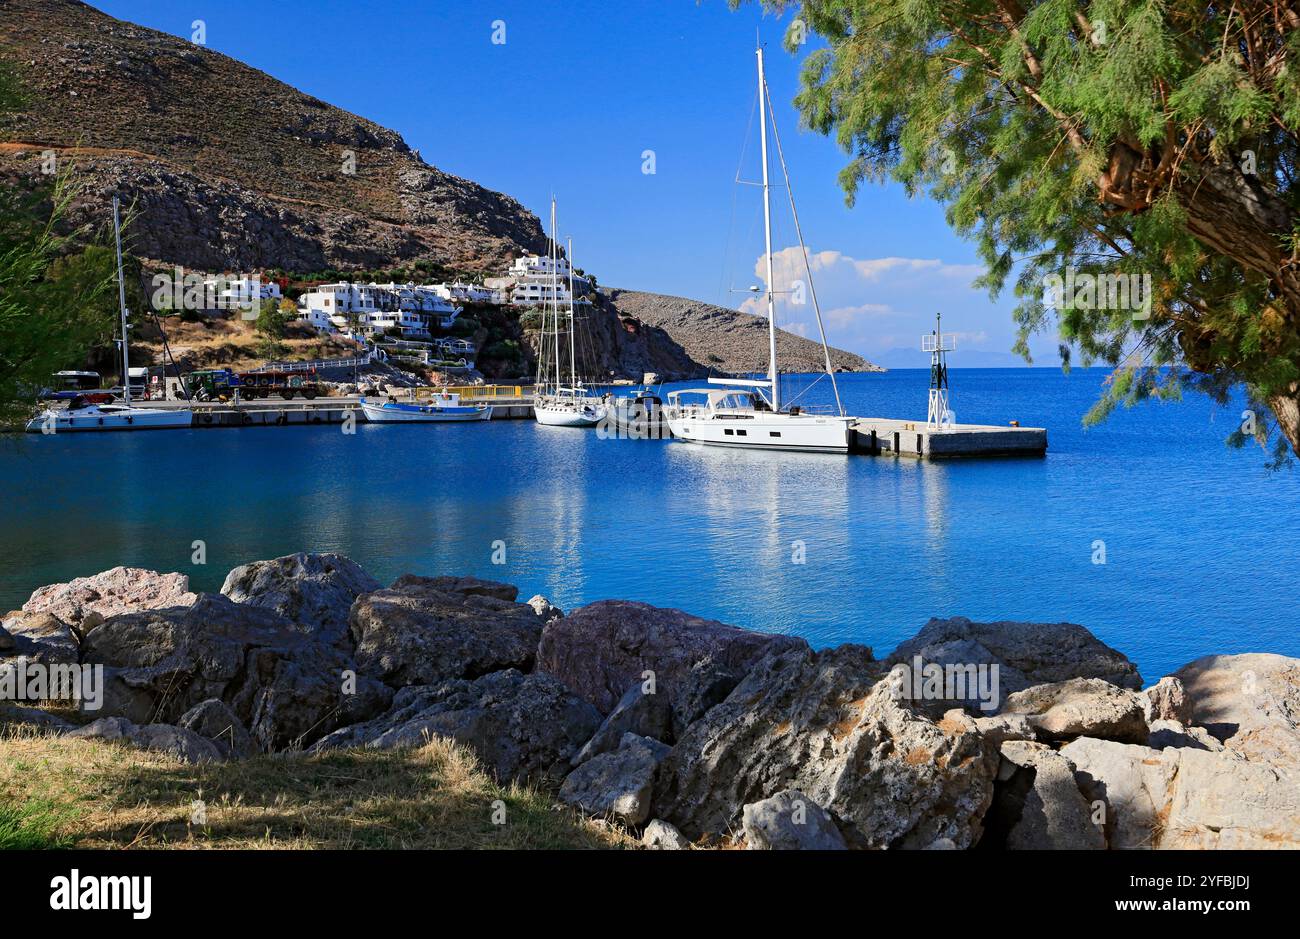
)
(627, 333)
(231, 169)
(724, 341)
(1013, 741)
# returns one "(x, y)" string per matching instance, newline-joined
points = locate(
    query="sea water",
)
(1148, 530)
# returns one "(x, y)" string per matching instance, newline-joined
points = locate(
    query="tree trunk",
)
(1234, 215)
(1286, 408)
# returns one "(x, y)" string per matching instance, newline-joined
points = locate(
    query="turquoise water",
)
(1200, 540)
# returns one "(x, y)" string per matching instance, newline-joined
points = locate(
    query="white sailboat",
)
(746, 412)
(81, 415)
(557, 404)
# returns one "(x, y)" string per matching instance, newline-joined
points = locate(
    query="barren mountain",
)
(231, 169)
(727, 342)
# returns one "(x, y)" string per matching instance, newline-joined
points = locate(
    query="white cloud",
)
(872, 305)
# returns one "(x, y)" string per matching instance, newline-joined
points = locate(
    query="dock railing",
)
(354, 361)
(482, 392)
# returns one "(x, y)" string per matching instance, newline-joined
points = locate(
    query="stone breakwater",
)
(686, 731)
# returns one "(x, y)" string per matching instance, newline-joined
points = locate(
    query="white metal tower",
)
(938, 416)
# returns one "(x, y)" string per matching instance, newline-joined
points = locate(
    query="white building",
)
(532, 276)
(239, 292)
(373, 308)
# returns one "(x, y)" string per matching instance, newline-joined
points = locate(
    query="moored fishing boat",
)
(441, 408)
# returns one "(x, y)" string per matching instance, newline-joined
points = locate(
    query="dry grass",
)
(214, 342)
(58, 792)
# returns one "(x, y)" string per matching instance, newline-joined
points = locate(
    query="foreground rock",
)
(825, 724)
(286, 687)
(313, 590)
(120, 590)
(428, 630)
(177, 742)
(1167, 700)
(1250, 702)
(639, 713)
(1026, 654)
(603, 648)
(1038, 805)
(214, 720)
(661, 836)
(34, 718)
(616, 784)
(1186, 798)
(790, 821)
(1081, 707)
(41, 638)
(521, 726)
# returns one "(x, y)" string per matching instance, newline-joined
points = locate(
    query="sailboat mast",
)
(767, 235)
(555, 300)
(573, 367)
(121, 302)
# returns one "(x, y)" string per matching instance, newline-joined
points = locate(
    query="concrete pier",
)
(882, 436)
(276, 412)
(876, 436)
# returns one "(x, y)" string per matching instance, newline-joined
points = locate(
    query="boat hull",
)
(424, 414)
(568, 416)
(94, 419)
(802, 433)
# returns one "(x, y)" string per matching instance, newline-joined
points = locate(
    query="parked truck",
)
(221, 384)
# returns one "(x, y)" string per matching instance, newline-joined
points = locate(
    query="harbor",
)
(871, 436)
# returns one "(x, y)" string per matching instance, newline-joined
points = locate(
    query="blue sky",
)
(570, 102)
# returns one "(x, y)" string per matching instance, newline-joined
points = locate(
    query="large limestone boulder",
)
(1165, 734)
(616, 784)
(662, 836)
(1081, 707)
(1250, 702)
(521, 726)
(285, 686)
(428, 630)
(1037, 803)
(601, 649)
(41, 638)
(790, 821)
(639, 713)
(33, 717)
(826, 724)
(215, 720)
(1185, 798)
(313, 590)
(42, 654)
(1026, 654)
(1167, 700)
(120, 590)
(177, 742)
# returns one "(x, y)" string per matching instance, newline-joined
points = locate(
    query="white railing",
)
(313, 365)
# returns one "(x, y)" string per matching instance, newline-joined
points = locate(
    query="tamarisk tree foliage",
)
(57, 301)
(1076, 142)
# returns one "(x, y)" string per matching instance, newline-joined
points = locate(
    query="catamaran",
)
(558, 404)
(739, 412)
(82, 414)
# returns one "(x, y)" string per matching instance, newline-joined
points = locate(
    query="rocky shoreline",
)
(684, 731)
